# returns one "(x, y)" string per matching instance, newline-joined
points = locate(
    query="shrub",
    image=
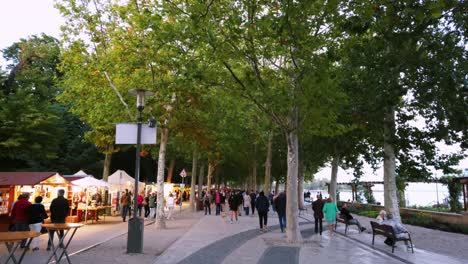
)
(371, 214)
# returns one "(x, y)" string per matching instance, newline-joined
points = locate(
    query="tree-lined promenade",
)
(249, 92)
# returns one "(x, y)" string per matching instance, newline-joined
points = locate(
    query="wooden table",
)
(10, 238)
(61, 227)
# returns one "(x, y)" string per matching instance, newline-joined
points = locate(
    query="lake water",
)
(420, 194)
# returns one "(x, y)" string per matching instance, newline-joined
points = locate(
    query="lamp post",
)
(136, 224)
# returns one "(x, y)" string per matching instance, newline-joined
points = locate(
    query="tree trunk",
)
(211, 168)
(334, 176)
(390, 187)
(254, 176)
(248, 182)
(200, 182)
(194, 178)
(401, 198)
(267, 183)
(107, 164)
(171, 170)
(293, 234)
(160, 220)
(300, 186)
(277, 186)
(217, 180)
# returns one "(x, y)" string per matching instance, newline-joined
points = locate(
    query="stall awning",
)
(24, 178)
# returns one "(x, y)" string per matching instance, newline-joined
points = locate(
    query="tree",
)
(409, 58)
(30, 131)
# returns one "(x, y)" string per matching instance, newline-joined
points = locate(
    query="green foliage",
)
(371, 214)
(30, 130)
(369, 196)
(434, 208)
(455, 189)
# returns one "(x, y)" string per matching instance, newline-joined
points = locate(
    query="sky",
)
(24, 18)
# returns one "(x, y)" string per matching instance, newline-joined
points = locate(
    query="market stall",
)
(90, 201)
(120, 181)
(12, 184)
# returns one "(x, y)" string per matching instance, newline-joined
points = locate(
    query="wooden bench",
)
(340, 218)
(387, 231)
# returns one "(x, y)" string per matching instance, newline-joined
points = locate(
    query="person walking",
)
(330, 210)
(217, 199)
(246, 203)
(58, 213)
(152, 205)
(140, 200)
(233, 204)
(19, 215)
(170, 205)
(146, 205)
(280, 205)
(270, 198)
(207, 203)
(317, 207)
(124, 201)
(37, 214)
(253, 198)
(263, 206)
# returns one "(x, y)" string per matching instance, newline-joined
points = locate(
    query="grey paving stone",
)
(280, 255)
(217, 251)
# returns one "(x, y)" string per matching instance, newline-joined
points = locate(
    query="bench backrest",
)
(383, 229)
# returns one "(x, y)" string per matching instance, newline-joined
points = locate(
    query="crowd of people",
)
(29, 217)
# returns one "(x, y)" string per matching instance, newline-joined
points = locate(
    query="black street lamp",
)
(136, 224)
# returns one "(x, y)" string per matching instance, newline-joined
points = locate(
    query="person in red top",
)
(218, 202)
(19, 215)
(140, 204)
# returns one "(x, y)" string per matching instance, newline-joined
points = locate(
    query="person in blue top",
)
(330, 210)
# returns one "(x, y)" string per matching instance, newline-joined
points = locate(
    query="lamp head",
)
(140, 95)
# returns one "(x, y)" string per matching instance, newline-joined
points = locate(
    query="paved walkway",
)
(213, 240)
(197, 239)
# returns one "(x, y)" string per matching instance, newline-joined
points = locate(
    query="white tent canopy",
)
(90, 181)
(120, 177)
(80, 173)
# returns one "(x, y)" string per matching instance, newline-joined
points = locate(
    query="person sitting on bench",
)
(398, 228)
(346, 215)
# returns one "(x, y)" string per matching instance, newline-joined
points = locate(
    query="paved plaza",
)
(195, 238)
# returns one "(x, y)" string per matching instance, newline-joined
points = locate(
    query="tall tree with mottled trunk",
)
(194, 179)
(160, 217)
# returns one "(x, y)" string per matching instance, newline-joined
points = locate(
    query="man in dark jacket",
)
(317, 207)
(349, 218)
(253, 199)
(58, 213)
(280, 205)
(262, 205)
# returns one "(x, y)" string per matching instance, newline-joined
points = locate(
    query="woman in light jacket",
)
(330, 210)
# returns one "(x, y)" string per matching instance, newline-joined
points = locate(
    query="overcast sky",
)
(23, 18)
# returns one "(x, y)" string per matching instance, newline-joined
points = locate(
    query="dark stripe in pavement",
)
(216, 252)
(280, 255)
